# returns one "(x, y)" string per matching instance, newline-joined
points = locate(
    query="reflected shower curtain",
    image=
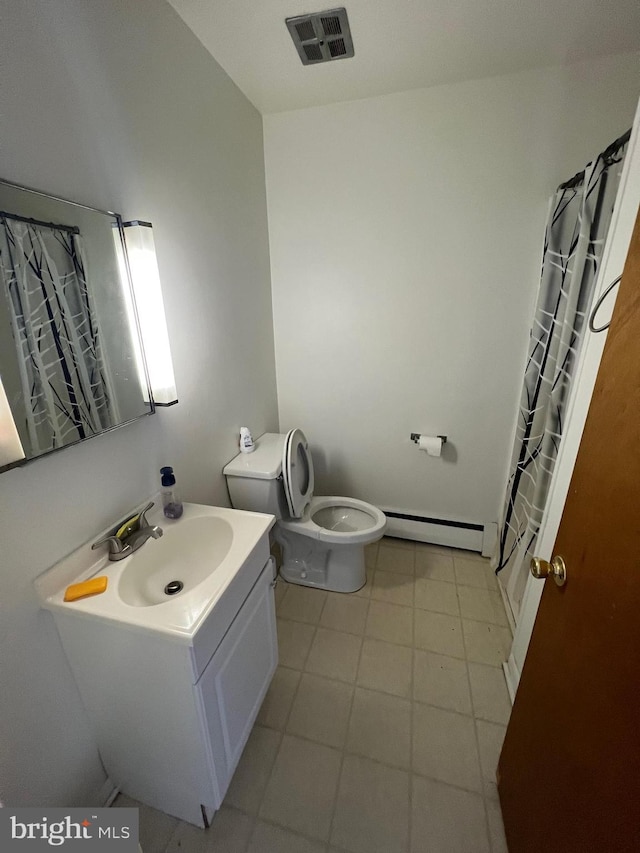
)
(55, 333)
(574, 240)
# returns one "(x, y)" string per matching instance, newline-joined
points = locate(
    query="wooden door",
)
(569, 772)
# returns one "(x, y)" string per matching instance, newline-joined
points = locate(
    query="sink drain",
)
(173, 587)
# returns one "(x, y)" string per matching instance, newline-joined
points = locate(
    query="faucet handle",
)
(116, 545)
(143, 516)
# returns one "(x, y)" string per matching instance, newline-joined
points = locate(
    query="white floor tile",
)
(334, 654)
(469, 556)
(370, 555)
(482, 605)
(398, 542)
(380, 728)
(280, 592)
(392, 588)
(433, 564)
(372, 809)
(268, 838)
(485, 643)
(489, 693)
(438, 632)
(470, 572)
(320, 710)
(394, 559)
(435, 595)
(253, 770)
(301, 790)
(155, 828)
(390, 622)
(277, 703)
(475, 604)
(490, 738)
(294, 642)
(441, 680)
(444, 747)
(446, 819)
(344, 612)
(499, 613)
(229, 831)
(302, 604)
(385, 667)
(492, 578)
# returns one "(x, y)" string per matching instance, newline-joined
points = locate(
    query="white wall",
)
(116, 104)
(406, 235)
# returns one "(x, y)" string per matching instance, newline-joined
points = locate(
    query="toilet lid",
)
(297, 472)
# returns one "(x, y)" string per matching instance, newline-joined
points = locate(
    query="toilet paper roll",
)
(431, 443)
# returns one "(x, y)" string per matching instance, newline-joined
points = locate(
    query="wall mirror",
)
(71, 364)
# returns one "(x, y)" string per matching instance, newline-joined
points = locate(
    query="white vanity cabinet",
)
(234, 682)
(172, 713)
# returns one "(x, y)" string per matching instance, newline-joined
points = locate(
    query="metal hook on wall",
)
(596, 307)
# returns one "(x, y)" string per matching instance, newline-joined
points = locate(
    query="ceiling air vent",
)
(321, 37)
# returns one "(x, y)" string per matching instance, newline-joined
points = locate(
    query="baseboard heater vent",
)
(441, 531)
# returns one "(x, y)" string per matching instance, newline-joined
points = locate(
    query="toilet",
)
(322, 538)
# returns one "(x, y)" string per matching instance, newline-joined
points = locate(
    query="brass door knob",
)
(556, 568)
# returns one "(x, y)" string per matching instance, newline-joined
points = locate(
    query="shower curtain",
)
(55, 333)
(574, 240)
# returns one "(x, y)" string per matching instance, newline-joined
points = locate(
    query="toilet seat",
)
(361, 522)
(297, 472)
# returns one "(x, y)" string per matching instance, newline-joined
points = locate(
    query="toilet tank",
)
(255, 479)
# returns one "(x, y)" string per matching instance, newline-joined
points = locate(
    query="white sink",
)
(204, 551)
(186, 555)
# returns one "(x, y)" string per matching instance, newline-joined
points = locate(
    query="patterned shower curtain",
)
(55, 332)
(574, 240)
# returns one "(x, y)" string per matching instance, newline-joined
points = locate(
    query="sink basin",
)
(182, 558)
(215, 553)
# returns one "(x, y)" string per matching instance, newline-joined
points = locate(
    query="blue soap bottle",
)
(171, 502)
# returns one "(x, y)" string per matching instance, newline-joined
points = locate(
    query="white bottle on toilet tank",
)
(246, 441)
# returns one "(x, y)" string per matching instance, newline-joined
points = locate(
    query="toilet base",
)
(309, 562)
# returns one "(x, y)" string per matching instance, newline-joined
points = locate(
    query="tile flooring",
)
(382, 727)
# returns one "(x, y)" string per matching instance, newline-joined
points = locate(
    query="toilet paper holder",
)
(415, 437)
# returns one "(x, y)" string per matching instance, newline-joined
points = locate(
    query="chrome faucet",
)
(125, 545)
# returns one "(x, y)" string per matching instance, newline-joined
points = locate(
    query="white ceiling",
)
(404, 44)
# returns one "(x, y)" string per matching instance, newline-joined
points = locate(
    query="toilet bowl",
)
(340, 520)
(322, 538)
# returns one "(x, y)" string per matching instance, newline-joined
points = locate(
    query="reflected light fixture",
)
(145, 280)
(11, 449)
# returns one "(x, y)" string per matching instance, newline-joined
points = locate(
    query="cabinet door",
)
(234, 683)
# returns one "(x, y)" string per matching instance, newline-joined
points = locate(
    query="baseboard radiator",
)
(442, 531)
